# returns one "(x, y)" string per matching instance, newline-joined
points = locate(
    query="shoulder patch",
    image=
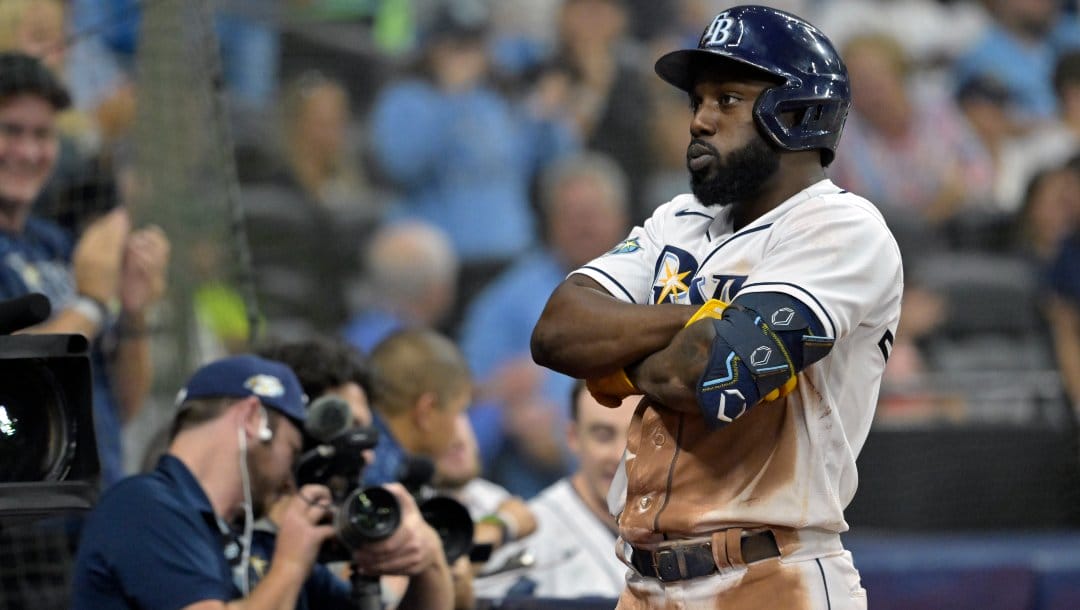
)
(626, 246)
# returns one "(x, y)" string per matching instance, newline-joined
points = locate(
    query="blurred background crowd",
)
(347, 168)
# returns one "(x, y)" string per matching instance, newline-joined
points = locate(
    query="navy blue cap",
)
(273, 383)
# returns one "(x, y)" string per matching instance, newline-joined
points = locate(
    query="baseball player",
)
(570, 551)
(755, 316)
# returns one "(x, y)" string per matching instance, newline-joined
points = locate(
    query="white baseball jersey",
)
(790, 462)
(572, 552)
(481, 496)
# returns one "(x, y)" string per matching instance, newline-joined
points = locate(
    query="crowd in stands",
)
(452, 160)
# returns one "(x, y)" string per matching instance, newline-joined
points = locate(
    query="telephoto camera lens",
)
(367, 515)
(453, 523)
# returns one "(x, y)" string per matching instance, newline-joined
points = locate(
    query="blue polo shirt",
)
(153, 541)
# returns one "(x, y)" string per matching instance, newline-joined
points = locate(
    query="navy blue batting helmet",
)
(813, 80)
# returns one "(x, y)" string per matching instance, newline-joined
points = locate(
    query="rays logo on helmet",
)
(626, 246)
(718, 32)
(265, 385)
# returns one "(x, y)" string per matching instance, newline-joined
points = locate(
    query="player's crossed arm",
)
(586, 333)
(724, 366)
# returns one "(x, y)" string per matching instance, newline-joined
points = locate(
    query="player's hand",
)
(610, 390)
(411, 549)
(300, 533)
(96, 261)
(146, 261)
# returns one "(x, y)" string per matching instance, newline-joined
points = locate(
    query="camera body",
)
(370, 514)
(48, 452)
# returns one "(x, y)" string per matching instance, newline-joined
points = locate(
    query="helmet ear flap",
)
(816, 124)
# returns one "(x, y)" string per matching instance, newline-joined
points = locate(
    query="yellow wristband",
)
(629, 386)
(713, 308)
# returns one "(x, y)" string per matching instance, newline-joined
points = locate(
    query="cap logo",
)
(265, 385)
(718, 32)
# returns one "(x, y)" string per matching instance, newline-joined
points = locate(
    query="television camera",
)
(48, 454)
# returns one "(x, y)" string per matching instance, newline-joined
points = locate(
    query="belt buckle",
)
(666, 563)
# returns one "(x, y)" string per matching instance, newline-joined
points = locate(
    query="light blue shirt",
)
(1025, 69)
(464, 162)
(497, 330)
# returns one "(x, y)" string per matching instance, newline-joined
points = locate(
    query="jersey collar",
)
(722, 223)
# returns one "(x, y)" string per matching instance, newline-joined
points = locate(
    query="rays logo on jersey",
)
(674, 276)
(626, 246)
(675, 280)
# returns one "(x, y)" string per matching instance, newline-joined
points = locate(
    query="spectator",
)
(83, 181)
(302, 222)
(1050, 213)
(1063, 315)
(420, 389)
(39, 28)
(461, 153)
(327, 367)
(607, 96)
(411, 282)
(1020, 49)
(987, 106)
(498, 515)
(907, 391)
(420, 386)
(247, 42)
(584, 201)
(110, 269)
(571, 548)
(897, 131)
(1050, 144)
(318, 161)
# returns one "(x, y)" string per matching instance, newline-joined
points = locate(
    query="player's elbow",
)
(550, 335)
(543, 342)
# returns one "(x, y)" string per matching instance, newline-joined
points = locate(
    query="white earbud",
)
(265, 433)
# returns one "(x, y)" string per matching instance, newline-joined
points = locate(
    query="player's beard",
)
(736, 177)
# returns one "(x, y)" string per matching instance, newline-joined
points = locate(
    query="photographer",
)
(101, 287)
(324, 368)
(420, 388)
(162, 539)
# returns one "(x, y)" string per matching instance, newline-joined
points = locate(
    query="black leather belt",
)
(683, 562)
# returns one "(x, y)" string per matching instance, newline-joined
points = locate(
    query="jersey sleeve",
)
(626, 271)
(841, 261)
